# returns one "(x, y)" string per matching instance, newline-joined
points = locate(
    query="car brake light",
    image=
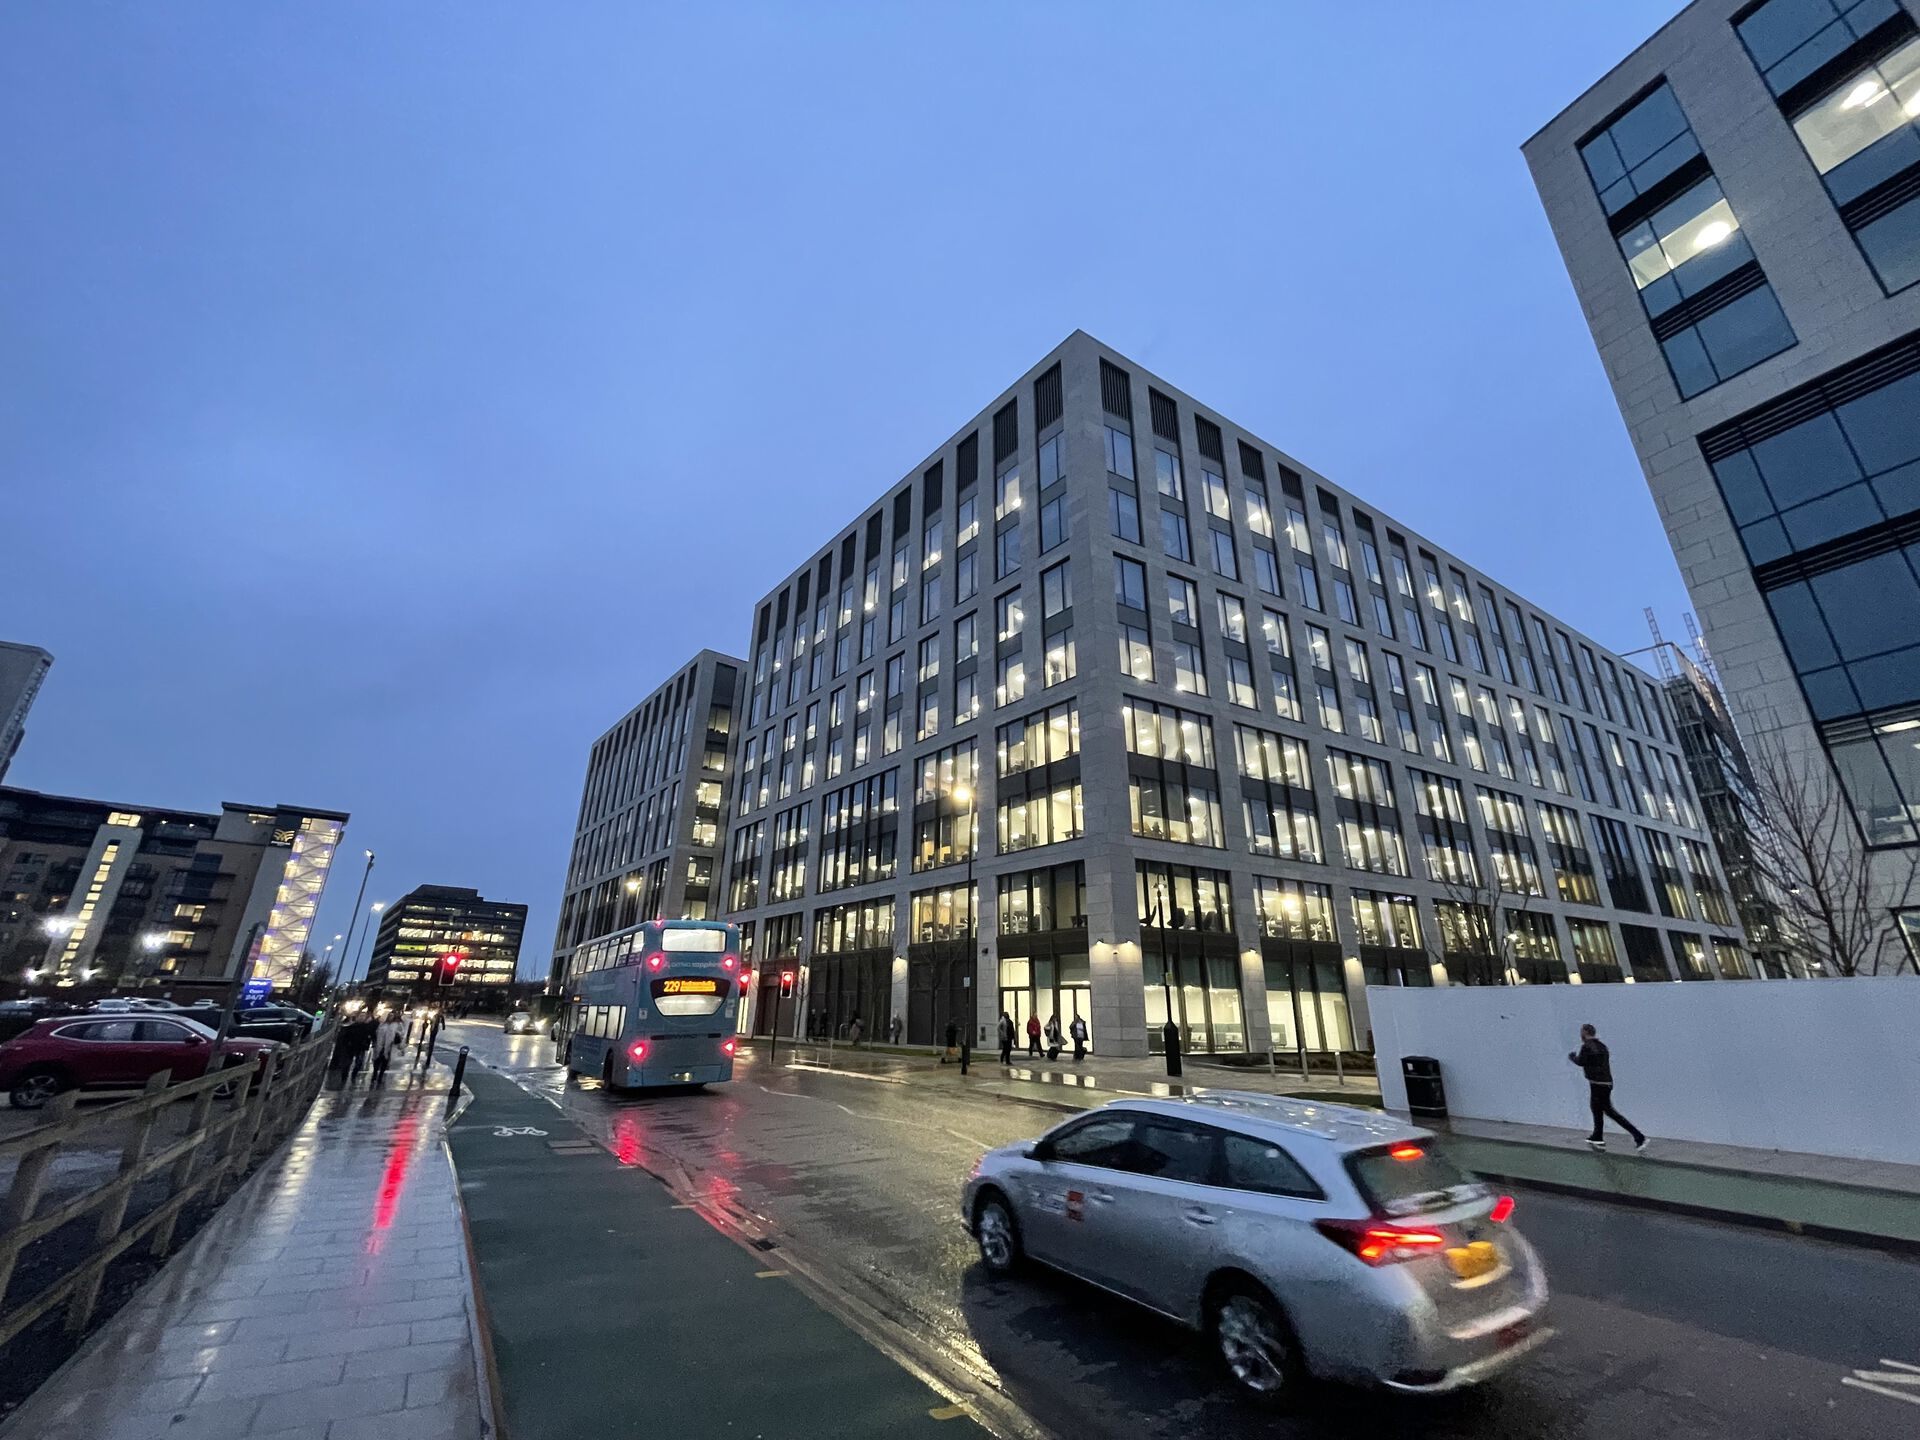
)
(637, 1051)
(728, 1045)
(656, 960)
(1381, 1244)
(1406, 1152)
(1502, 1210)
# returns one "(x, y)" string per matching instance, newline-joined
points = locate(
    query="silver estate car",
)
(1302, 1239)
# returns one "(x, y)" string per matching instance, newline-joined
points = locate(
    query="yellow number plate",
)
(1471, 1261)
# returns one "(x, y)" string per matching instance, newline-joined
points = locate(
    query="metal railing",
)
(211, 1155)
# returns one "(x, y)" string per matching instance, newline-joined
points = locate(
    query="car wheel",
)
(35, 1088)
(998, 1235)
(1256, 1344)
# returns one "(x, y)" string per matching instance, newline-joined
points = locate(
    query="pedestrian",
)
(854, 1029)
(388, 1039)
(1596, 1062)
(1056, 1040)
(893, 1030)
(1033, 1034)
(1006, 1038)
(359, 1038)
(953, 1041)
(1078, 1029)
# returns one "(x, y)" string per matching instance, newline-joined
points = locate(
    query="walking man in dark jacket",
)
(1595, 1062)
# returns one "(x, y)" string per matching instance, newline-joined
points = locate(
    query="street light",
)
(366, 936)
(59, 925)
(346, 950)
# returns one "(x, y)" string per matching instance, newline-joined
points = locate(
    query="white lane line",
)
(1898, 1372)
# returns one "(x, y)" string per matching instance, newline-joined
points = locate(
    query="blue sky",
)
(391, 395)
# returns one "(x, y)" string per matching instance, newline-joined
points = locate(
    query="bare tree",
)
(1491, 910)
(1838, 899)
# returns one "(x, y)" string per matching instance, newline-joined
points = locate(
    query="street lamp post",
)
(366, 938)
(346, 950)
(1170, 1032)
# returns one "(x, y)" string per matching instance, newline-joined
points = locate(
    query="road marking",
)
(865, 1115)
(768, 1274)
(1898, 1372)
(502, 1132)
(686, 1207)
(947, 1412)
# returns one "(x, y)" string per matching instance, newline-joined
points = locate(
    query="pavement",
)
(329, 1299)
(1668, 1325)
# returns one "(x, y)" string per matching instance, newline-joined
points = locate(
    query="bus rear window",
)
(1410, 1177)
(708, 942)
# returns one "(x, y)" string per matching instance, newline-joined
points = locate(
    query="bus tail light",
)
(656, 960)
(729, 1045)
(728, 962)
(637, 1051)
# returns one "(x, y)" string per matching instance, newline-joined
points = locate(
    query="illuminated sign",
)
(686, 985)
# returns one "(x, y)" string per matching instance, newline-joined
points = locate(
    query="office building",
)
(435, 928)
(22, 668)
(648, 834)
(129, 896)
(1112, 708)
(1738, 204)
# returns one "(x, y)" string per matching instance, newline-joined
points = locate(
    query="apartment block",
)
(1112, 708)
(648, 834)
(1738, 205)
(104, 894)
(22, 668)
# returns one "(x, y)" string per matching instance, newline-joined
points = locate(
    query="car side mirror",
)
(1037, 1150)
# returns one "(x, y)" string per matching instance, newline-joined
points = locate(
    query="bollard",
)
(966, 1053)
(459, 1074)
(1170, 1032)
(1340, 1067)
(1305, 1074)
(433, 1035)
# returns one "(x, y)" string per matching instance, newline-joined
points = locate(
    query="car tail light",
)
(1502, 1210)
(656, 960)
(637, 1051)
(729, 1045)
(1379, 1244)
(1406, 1152)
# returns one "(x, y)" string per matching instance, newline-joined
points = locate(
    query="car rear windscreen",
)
(1410, 1177)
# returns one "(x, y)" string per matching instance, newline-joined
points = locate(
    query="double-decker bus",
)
(662, 1009)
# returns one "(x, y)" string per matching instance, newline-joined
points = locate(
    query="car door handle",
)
(1198, 1217)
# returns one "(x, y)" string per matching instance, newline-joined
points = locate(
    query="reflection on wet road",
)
(1668, 1326)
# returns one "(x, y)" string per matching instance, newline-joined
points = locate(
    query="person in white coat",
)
(387, 1042)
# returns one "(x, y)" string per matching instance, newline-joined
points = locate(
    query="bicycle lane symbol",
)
(503, 1132)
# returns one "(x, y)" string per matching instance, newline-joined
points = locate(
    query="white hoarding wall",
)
(1826, 1067)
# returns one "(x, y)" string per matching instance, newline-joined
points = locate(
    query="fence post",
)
(29, 1178)
(114, 1213)
(183, 1169)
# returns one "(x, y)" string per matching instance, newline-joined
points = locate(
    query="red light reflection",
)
(627, 1146)
(392, 1181)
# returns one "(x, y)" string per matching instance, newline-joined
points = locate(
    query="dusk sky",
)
(392, 394)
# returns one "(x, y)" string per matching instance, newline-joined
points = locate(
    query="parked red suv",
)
(112, 1052)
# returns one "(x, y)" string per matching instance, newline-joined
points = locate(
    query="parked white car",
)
(1303, 1239)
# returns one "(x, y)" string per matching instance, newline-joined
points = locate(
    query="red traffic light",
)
(786, 984)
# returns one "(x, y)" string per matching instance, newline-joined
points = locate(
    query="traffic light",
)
(786, 984)
(445, 969)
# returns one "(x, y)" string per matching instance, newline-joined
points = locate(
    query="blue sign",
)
(255, 992)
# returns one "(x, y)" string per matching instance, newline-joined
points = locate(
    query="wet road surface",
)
(1667, 1325)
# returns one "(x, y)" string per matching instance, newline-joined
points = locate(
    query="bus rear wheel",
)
(606, 1073)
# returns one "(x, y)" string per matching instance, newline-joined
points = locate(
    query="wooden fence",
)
(223, 1136)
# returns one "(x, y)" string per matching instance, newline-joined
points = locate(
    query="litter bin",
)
(1426, 1092)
